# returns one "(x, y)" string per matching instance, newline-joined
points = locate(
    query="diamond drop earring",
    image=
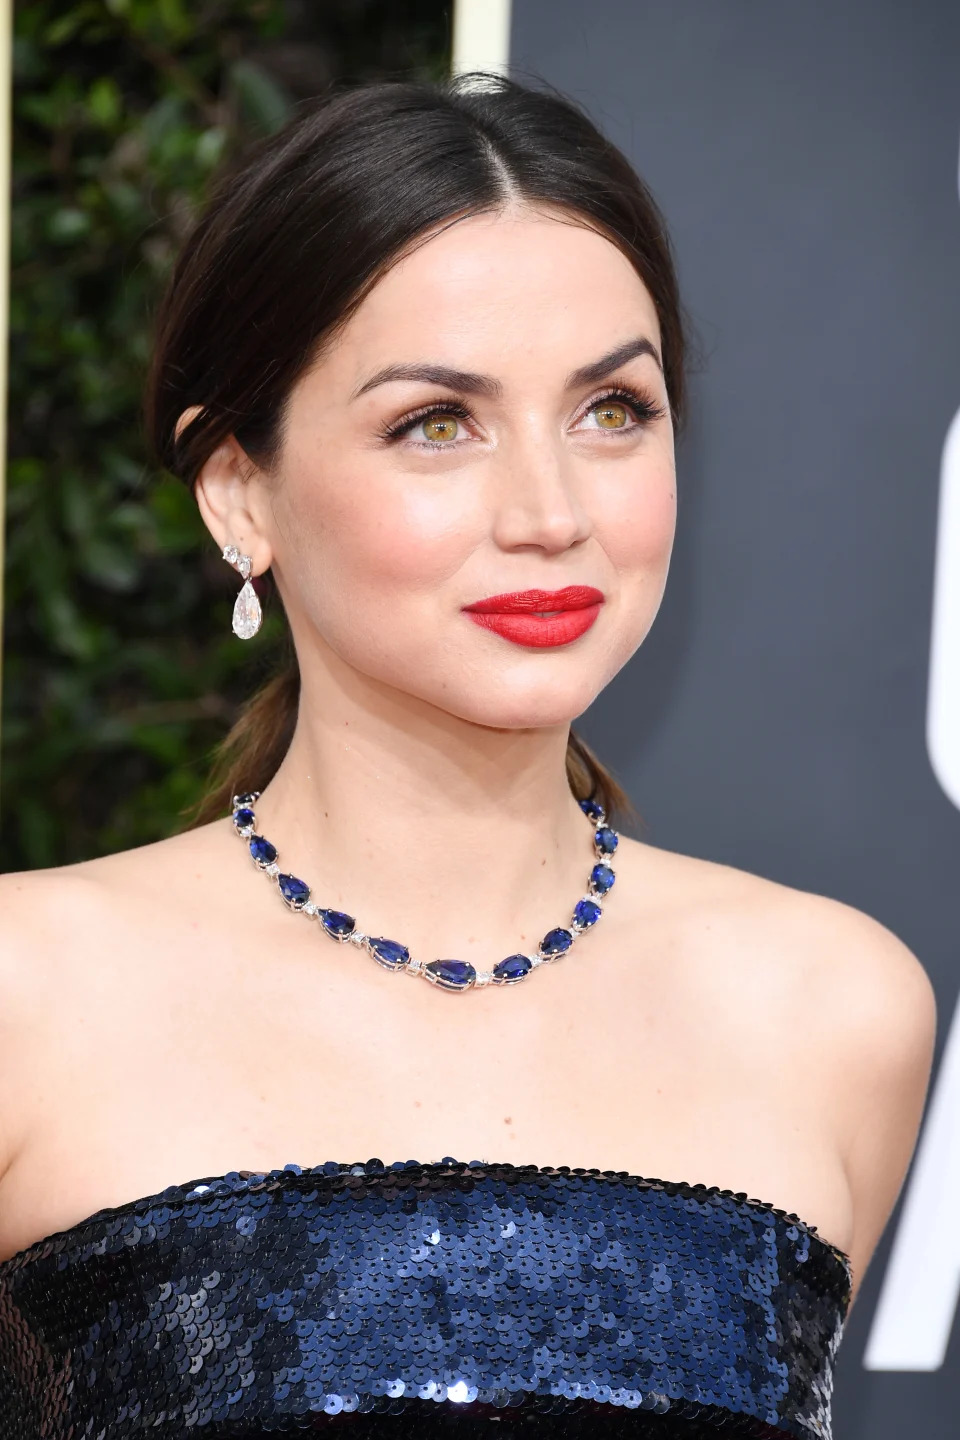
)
(247, 614)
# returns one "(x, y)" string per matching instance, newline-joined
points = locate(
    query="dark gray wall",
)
(805, 156)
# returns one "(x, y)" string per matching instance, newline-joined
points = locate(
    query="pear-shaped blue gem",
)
(586, 913)
(606, 840)
(336, 923)
(592, 808)
(262, 851)
(556, 942)
(295, 892)
(451, 974)
(242, 818)
(601, 879)
(389, 953)
(506, 972)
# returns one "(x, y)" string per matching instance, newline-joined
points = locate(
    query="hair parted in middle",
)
(293, 239)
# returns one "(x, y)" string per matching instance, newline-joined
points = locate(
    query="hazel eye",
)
(623, 410)
(440, 427)
(611, 415)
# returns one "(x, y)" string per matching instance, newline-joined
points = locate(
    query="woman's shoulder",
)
(51, 903)
(819, 997)
(849, 962)
(69, 933)
(62, 926)
(837, 997)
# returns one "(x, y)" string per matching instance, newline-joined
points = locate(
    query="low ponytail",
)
(250, 754)
(590, 780)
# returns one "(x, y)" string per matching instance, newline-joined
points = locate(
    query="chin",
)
(539, 708)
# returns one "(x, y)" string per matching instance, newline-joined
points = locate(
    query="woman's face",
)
(491, 422)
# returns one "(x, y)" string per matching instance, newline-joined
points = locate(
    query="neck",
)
(435, 831)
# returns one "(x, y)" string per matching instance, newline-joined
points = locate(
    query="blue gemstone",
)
(586, 913)
(601, 879)
(246, 799)
(262, 851)
(294, 891)
(514, 968)
(242, 818)
(390, 954)
(556, 942)
(451, 974)
(592, 808)
(606, 840)
(336, 923)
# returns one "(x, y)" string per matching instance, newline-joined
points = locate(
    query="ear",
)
(230, 501)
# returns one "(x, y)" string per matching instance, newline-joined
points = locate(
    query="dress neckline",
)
(298, 1177)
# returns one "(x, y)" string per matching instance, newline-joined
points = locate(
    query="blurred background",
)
(120, 670)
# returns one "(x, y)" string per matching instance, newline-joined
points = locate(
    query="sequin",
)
(409, 1297)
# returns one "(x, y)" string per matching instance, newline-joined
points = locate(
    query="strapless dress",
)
(418, 1298)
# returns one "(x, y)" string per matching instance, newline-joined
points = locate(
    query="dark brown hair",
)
(295, 237)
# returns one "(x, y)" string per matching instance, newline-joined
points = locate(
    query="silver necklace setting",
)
(454, 975)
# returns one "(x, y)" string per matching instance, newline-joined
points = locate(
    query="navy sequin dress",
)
(419, 1298)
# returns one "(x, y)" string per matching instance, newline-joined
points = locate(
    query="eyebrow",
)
(473, 384)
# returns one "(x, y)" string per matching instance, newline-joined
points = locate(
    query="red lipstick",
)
(539, 617)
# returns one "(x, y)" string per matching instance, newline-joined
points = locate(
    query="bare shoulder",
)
(865, 984)
(871, 1016)
(40, 909)
(837, 1003)
(37, 911)
(62, 933)
(50, 916)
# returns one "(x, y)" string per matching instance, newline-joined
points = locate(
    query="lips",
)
(525, 602)
(539, 618)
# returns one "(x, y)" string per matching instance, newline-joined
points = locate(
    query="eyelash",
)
(646, 410)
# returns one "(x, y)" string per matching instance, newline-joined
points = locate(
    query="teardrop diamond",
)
(247, 614)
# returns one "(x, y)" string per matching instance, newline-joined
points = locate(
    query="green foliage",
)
(121, 671)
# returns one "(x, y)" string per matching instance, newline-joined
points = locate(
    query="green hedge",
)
(120, 668)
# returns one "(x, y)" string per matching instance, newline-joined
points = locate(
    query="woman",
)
(422, 359)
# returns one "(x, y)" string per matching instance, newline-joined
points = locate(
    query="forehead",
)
(501, 285)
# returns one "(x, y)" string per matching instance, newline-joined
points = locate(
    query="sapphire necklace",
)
(447, 974)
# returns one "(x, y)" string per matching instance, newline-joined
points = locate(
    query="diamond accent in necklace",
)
(391, 955)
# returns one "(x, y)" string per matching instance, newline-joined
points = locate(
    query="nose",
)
(537, 500)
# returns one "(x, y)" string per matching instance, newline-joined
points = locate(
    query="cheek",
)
(636, 522)
(366, 539)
